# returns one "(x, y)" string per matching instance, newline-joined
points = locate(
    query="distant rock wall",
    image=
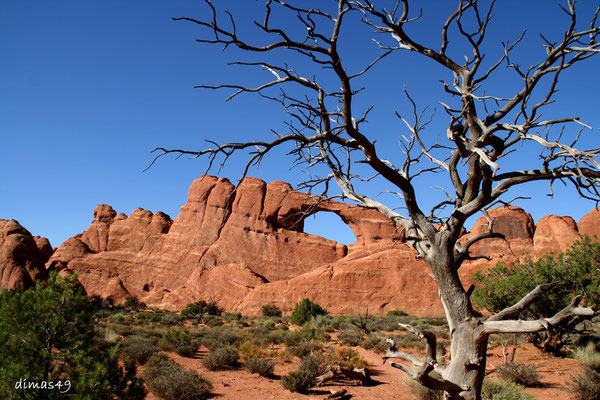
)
(246, 247)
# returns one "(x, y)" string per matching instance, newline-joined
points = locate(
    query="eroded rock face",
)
(554, 234)
(514, 223)
(246, 247)
(22, 256)
(589, 224)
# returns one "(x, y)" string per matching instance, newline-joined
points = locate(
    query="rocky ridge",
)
(246, 247)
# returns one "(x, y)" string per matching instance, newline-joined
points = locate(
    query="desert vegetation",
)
(135, 350)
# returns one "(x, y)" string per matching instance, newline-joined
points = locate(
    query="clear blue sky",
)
(88, 88)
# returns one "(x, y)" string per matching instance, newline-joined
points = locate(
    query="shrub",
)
(421, 392)
(133, 303)
(350, 337)
(502, 390)
(298, 381)
(396, 313)
(169, 381)
(304, 349)
(47, 333)
(221, 358)
(345, 357)
(307, 333)
(409, 341)
(305, 310)
(277, 336)
(271, 310)
(324, 322)
(118, 318)
(140, 350)
(572, 272)
(585, 385)
(303, 379)
(212, 321)
(588, 356)
(178, 340)
(169, 319)
(214, 337)
(249, 349)
(374, 342)
(259, 365)
(199, 308)
(519, 373)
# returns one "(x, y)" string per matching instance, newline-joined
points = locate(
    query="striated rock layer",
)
(246, 247)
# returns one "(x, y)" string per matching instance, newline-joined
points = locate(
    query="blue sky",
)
(89, 88)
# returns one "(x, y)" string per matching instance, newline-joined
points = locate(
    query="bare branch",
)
(516, 326)
(516, 309)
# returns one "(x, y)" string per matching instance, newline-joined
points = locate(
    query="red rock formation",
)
(96, 236)
(554, 234)
(590, 223)
(245, 247)
(514, 223)
(22, 256)
(377, 276)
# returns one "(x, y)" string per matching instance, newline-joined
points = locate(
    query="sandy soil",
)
(388, 384)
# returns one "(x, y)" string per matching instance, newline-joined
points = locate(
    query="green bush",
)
(221, 358)
(271, 310)
(200, 308)
(502, 390)
(169, 381)
(519, 373)
(572, 273)
(303, 379)
(169, 319)
(421, 392)
(350, 337)
(139, 350)
(277, 336)
(585, 385)
(216, 337)
(119, 318)
(323, 322)
(47, 334)
(396, 313)
(133, 303)
(298, 381)
(375, 342)
(307, 333)
(304, 349)
(178, 340)
(588, 356)
(305, 311)
(344, 357)
(260, 365)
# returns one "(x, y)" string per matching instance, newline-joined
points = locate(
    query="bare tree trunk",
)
(467, 356)
(467, 363)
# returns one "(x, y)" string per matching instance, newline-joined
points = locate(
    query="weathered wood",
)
(336, 393)
(336, 372)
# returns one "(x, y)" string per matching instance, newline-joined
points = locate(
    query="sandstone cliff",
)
(246, 247)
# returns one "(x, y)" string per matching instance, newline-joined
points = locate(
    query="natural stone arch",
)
(329, 225)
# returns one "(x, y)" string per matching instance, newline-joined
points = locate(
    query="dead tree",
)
(327, 129)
